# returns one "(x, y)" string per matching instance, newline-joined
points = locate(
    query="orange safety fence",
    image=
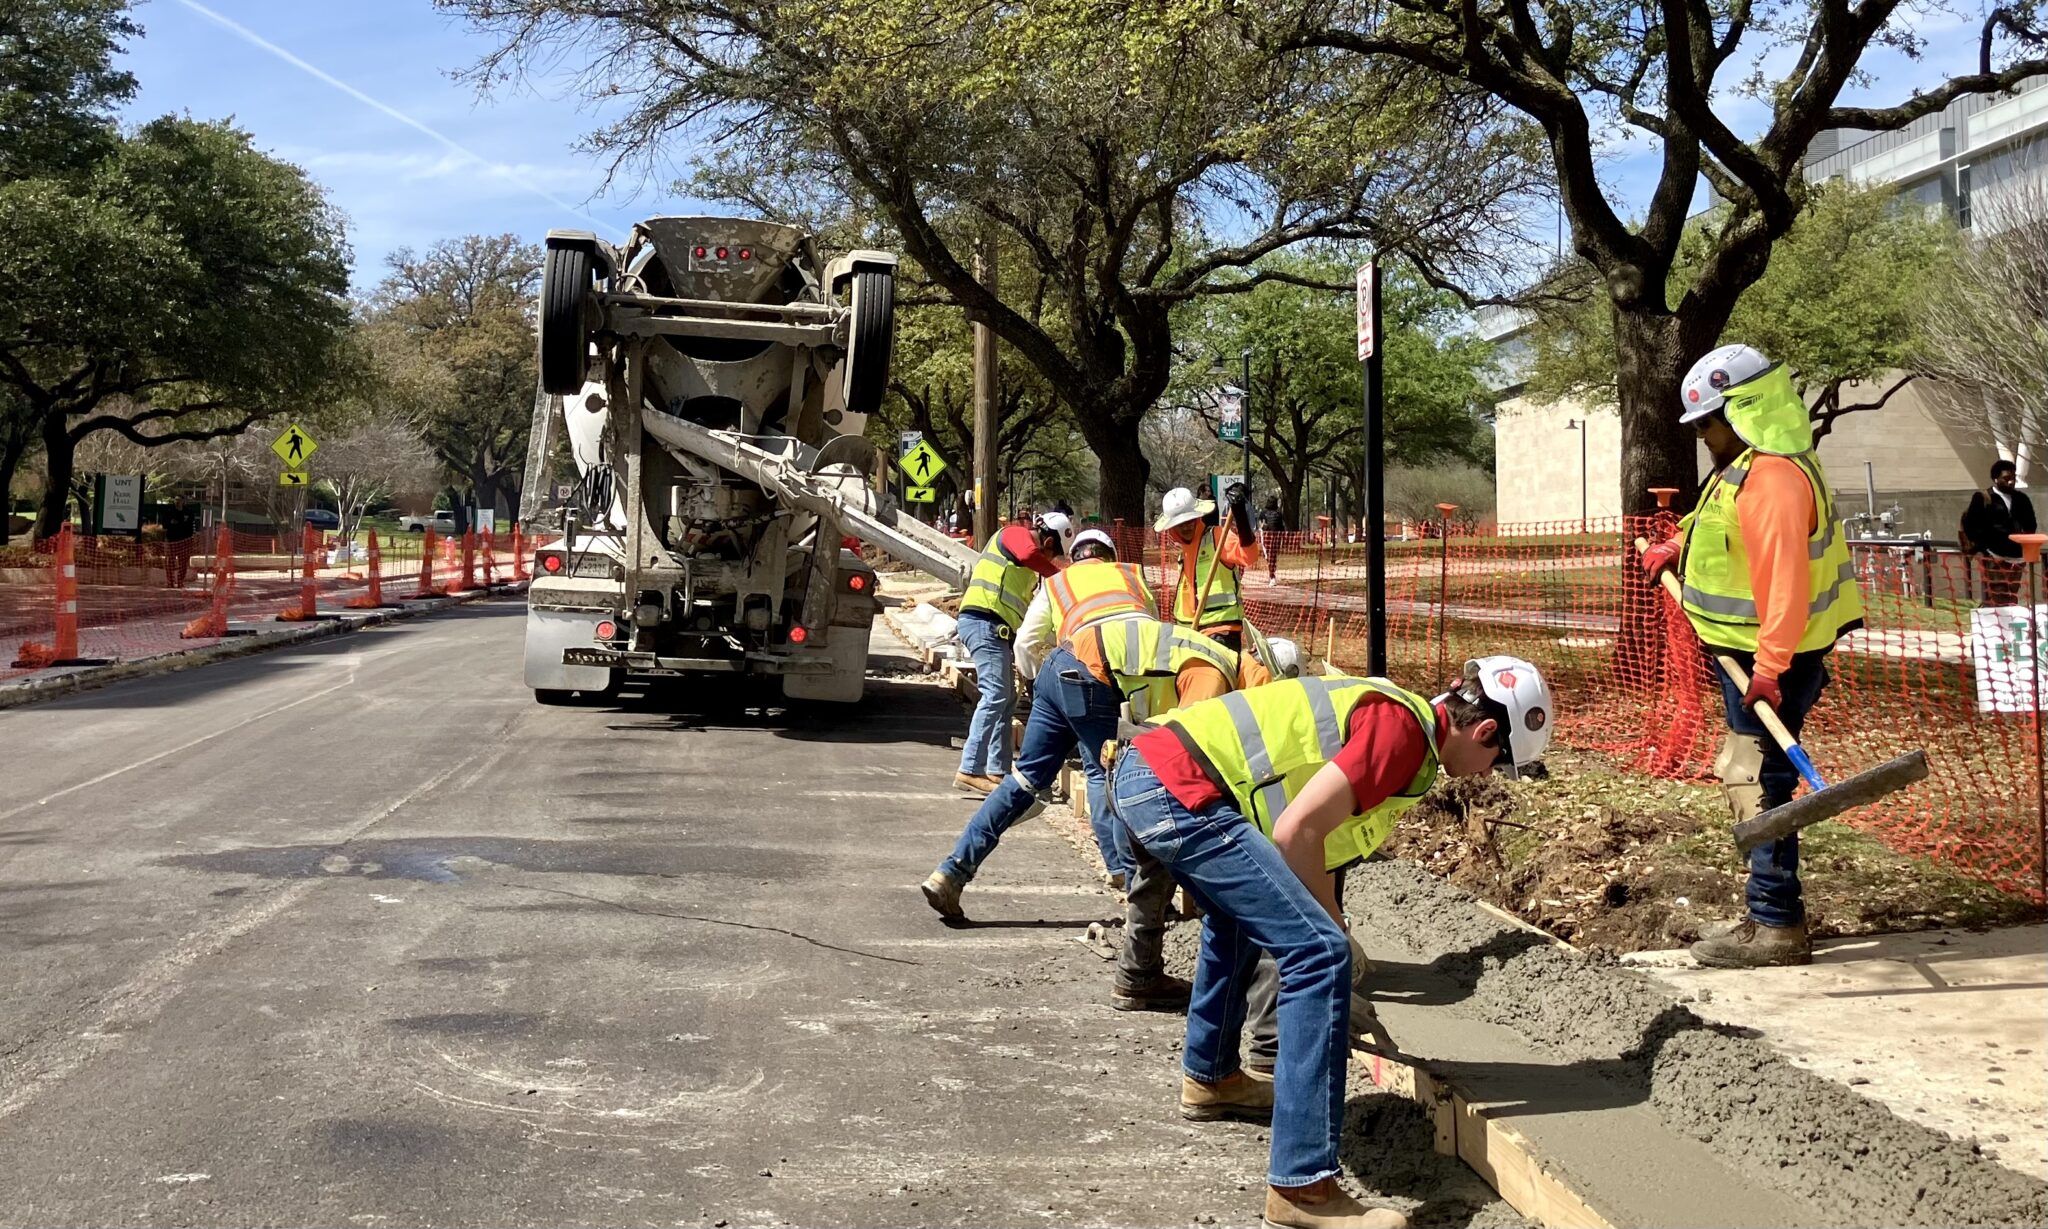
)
(140, 599)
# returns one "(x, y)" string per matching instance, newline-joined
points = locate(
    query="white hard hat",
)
(1059, 524)
(1719, 371)
(1516, 688)
(1179, 507)
(1088, 536)
(1286, 663)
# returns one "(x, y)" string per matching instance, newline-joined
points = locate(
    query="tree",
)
(1306, 411)
(382, 457)
(1842, 304)
(1985, 339)
(1141, 156)
(452, 328)
(1668, 75)
(187, 272)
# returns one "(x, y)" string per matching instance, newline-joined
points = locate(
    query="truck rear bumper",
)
(657, 665)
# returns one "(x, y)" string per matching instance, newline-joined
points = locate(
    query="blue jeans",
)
(1252, 900)
(991, 644)
(1774, 894)
(1068, 706)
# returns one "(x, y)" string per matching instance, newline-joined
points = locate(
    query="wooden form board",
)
(1495, 1151)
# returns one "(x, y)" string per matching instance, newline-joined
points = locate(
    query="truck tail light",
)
(550, 562)
(606, 629)
(798, 634)
(857, 582)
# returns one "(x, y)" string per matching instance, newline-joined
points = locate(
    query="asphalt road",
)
(357, 934)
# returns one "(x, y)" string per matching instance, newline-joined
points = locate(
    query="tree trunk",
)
(1290, 497)
(1123, 466)
(12, 449)
(58, 452)
(1653, 349)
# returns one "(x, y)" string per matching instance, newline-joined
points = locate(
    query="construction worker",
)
(1205, 595)
(1149, 665)
(1094, 589)
(998, 590)
(1769, 583)
(1322, 767)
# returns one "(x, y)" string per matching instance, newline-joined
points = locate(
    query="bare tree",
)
(383, 457)
(1986, 324)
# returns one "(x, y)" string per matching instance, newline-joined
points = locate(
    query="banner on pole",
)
(1366, 340)
(1230, 405)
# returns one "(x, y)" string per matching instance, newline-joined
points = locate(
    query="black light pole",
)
(1245, 408)
(1371, 353)
(1579, 425)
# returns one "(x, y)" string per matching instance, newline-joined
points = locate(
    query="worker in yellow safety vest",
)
(1767, 582)
(1321, 766)
(999, 588)
(1205, 594)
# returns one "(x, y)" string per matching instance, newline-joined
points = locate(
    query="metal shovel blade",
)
(1842, 796)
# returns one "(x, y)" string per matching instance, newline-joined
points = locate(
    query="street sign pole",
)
(1372, 354)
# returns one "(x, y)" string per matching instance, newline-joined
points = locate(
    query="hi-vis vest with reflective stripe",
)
(1261, 746)
(1768, 414)
(1222, 604)
(999, 584)
(1145, 656)
(1096, 589)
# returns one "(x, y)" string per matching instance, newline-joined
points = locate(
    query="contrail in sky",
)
(496, 168)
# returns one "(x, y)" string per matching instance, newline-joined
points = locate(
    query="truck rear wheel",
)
(870, 340)
(564, 328)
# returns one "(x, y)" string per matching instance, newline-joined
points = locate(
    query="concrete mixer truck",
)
(712, 377)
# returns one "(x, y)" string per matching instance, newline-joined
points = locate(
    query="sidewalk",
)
(1947, 1028)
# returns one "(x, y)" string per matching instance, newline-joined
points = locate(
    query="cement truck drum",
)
(870, 335)
(564, 321)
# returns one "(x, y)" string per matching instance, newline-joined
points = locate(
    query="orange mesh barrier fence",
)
(140, 599)
(1633, 680)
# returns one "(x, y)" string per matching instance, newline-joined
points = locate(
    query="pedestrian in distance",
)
(998, 590)
(1139, 663)
(1767, 582)
(179, 525)
(1095, 588)
(1205, 594)
(1249, 800)
(1271, 523)
(1995, 514)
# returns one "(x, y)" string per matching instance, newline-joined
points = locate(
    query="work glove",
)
(1660, 558)
(1763, 687)
(1236, 495)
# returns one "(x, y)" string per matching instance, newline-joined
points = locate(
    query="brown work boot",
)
(1238, 1096)
(1753, 945)
(1324, 1205)
(1153, 992)
(942, 893)
(982, 786)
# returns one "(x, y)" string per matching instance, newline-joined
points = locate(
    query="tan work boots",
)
(1750, 944)
(1325, 1205)
(1240, 1097)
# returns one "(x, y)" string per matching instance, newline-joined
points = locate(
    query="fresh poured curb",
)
(37, 690)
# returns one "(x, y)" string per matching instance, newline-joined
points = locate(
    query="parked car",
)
(440, 522)
(323, 518)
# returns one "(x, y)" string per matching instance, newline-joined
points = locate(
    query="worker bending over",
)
(1769, 583)
(998, 590)
(1322, 766)
(1144, 662)
(1205, 595)
(1094, 589)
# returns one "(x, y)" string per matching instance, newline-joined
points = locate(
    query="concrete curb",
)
(35, 690)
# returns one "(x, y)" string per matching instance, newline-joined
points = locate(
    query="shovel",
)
(1825, 801)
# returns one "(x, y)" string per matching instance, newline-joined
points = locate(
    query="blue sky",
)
(414, 156)
(503, 158)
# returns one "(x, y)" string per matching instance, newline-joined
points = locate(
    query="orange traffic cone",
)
(429, 549)
(519, 571)
(373, 599)
(490, 558)
(214, 623)
(63, 647)
(309, 599)
(467, 581)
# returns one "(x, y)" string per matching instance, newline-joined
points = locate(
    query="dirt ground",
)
(1618, 861)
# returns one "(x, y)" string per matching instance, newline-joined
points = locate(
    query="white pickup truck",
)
(439, 522)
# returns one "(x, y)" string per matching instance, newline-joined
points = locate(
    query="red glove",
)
(1763, 687)
(1660, 558)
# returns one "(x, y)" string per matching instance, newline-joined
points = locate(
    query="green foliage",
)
(58, 85)
(1841, 301)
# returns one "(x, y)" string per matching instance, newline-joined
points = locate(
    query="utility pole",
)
(1246, 410)
(1371, 354)
(985, 393)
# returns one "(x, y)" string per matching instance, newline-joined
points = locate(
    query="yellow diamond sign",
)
(923, 464)
(294, 447)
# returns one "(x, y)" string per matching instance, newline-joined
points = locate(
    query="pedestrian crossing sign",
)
(294, 447)
(921, 494)
(292, 477)
(923, 464)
